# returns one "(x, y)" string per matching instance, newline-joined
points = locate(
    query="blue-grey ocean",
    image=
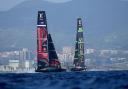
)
(65, 80)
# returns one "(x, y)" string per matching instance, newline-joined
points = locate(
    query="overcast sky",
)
(106, 20)
(8, 4)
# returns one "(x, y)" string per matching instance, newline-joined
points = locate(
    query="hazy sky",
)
(105, 22)
(8, 4)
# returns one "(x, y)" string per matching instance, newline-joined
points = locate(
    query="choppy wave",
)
(65, 80)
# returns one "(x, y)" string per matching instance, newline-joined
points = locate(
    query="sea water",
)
(65, 80)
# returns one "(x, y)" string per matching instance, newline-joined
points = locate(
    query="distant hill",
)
(102, 24)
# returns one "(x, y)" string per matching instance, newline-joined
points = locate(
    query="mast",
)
(42, 41)
(79, 45)
(53, 58)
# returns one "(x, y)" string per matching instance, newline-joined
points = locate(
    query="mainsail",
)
(79, 45)
(42, 41)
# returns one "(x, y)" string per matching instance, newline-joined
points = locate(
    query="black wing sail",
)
(53, 58)
(79, 49)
